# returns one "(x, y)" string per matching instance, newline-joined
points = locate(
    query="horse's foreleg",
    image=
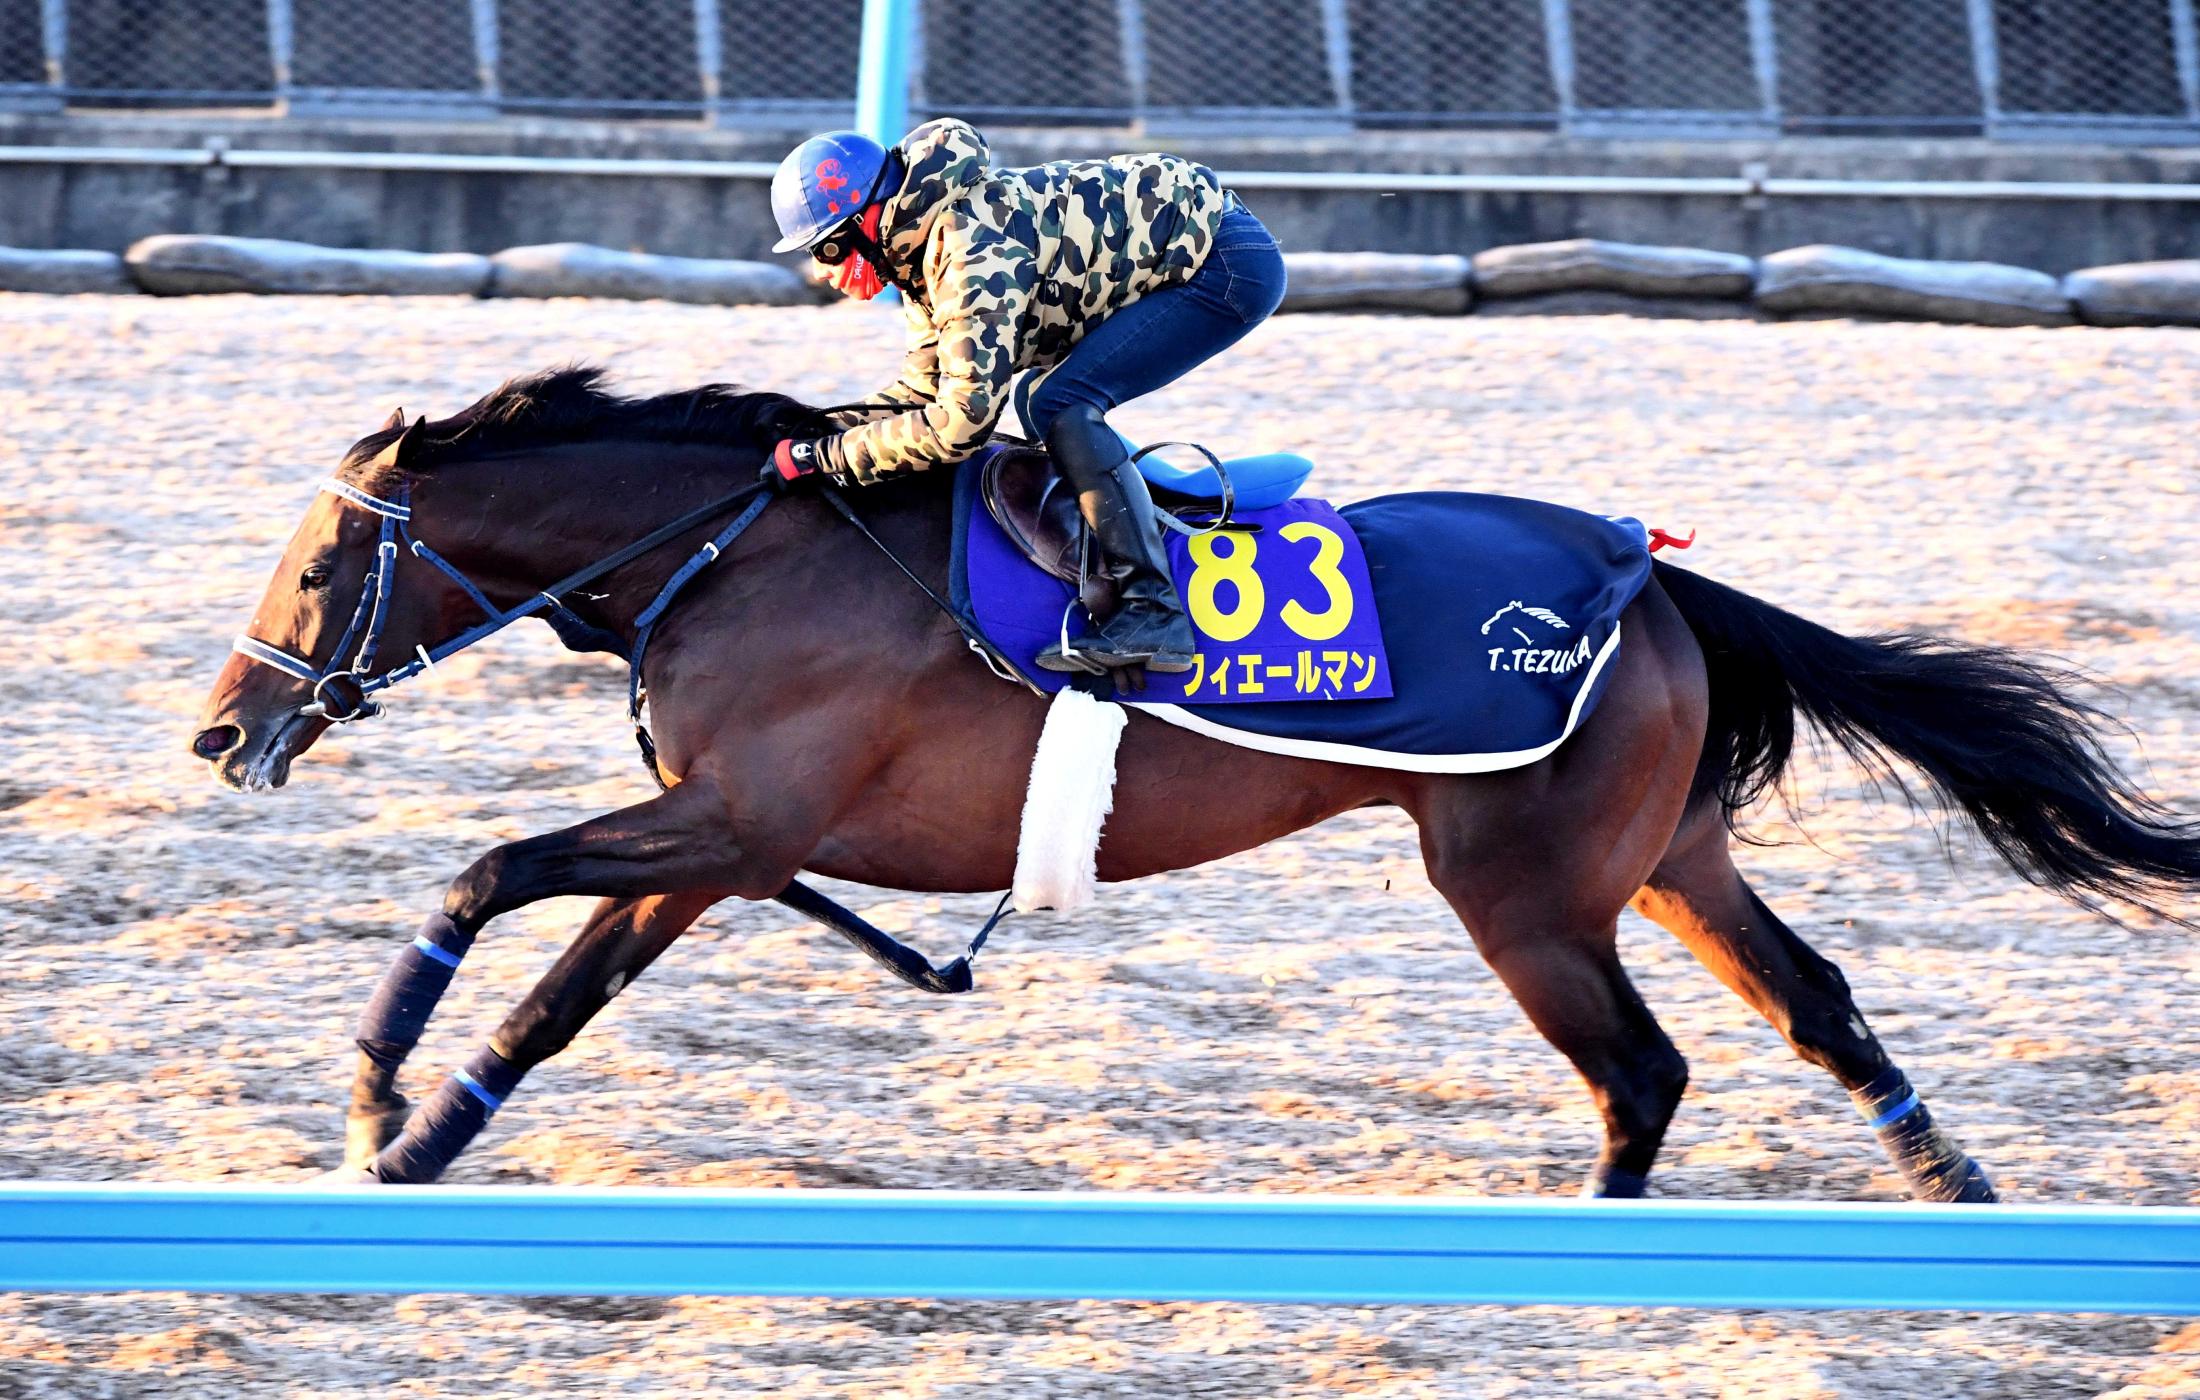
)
(683, 841)
(1699, 896)
(389, 1028)
(623, 937)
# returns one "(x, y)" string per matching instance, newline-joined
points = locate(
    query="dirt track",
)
(179, 965)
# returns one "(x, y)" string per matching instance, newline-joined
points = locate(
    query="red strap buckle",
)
(1659, 539)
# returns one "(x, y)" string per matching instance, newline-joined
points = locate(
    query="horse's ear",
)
(397, 455)
(395, 420)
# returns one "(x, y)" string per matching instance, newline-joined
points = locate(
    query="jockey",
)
(1108, 278)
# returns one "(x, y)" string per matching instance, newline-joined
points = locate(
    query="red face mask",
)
(853, 274)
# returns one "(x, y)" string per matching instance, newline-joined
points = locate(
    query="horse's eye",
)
(316, 576)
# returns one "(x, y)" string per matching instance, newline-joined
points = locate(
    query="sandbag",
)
(1598, 265)
(183, 264)
(586, 270)
(1436, 283)
(2138, 294)
(1823, 277)
(1598, 303)
(62, 270)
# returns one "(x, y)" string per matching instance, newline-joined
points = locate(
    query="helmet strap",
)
(892, 172)
(873, 252)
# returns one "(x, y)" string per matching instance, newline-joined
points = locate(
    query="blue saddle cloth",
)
(1499, 621)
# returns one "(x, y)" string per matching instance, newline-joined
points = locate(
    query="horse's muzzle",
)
(251, 758)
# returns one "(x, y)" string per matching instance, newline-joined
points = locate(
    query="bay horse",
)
(814, 711)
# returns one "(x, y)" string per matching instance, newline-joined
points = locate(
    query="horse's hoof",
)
(1614, 1184)
(366, 1134)
(1965, 1185)
(347, 1176)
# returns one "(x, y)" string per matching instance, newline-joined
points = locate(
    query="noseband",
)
(368, 616)
(330, 683)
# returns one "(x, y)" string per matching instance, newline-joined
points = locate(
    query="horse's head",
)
(360, 602)
(344, 604)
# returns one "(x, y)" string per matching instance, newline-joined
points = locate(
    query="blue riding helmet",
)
(824, 181)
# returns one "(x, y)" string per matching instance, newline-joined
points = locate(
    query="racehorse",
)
(814, 710)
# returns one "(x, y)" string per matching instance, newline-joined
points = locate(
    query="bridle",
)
(369, 616)
(372, 611)
(343, 693)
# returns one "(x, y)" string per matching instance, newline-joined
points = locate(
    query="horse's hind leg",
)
(621, 938)
(1699, 896)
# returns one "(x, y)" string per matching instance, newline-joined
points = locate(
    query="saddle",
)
(1038, 512)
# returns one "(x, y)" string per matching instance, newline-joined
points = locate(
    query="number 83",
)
(1214, 566)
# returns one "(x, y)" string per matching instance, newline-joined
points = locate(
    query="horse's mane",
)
(570, 404)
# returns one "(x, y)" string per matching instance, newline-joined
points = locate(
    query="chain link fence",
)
(1666, 68)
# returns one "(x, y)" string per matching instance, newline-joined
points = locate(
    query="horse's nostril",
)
(212, 743)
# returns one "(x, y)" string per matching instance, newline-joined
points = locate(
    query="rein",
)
(374, 597)
(372, 612)
(995, 659)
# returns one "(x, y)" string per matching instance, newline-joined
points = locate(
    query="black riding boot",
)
(1148, 626)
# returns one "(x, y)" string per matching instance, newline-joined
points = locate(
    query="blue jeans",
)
(1161, 336)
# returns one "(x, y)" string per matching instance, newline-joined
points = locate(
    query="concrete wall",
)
(75, 205)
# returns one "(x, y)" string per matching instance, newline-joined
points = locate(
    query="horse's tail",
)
(1996, 735)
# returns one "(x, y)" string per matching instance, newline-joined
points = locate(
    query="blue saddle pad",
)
(1499, 619)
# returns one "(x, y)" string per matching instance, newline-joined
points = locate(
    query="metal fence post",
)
(53, 23)
(1130, 25)
(486, 57)
(882, 71)
(1337, 49)
(709, 56)
(1986, 60)
(1764, 59)
(280, 44)
(2185, 38)
(1558, 41)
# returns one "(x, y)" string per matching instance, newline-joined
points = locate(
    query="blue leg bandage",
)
(1936, 1168)
(399, 1010)
(458, 1110)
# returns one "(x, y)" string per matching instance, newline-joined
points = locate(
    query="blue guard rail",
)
(70, 1237)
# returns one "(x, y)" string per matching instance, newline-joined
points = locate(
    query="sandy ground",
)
(179, 965)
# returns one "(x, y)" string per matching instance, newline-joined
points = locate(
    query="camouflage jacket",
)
(1014, 267)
